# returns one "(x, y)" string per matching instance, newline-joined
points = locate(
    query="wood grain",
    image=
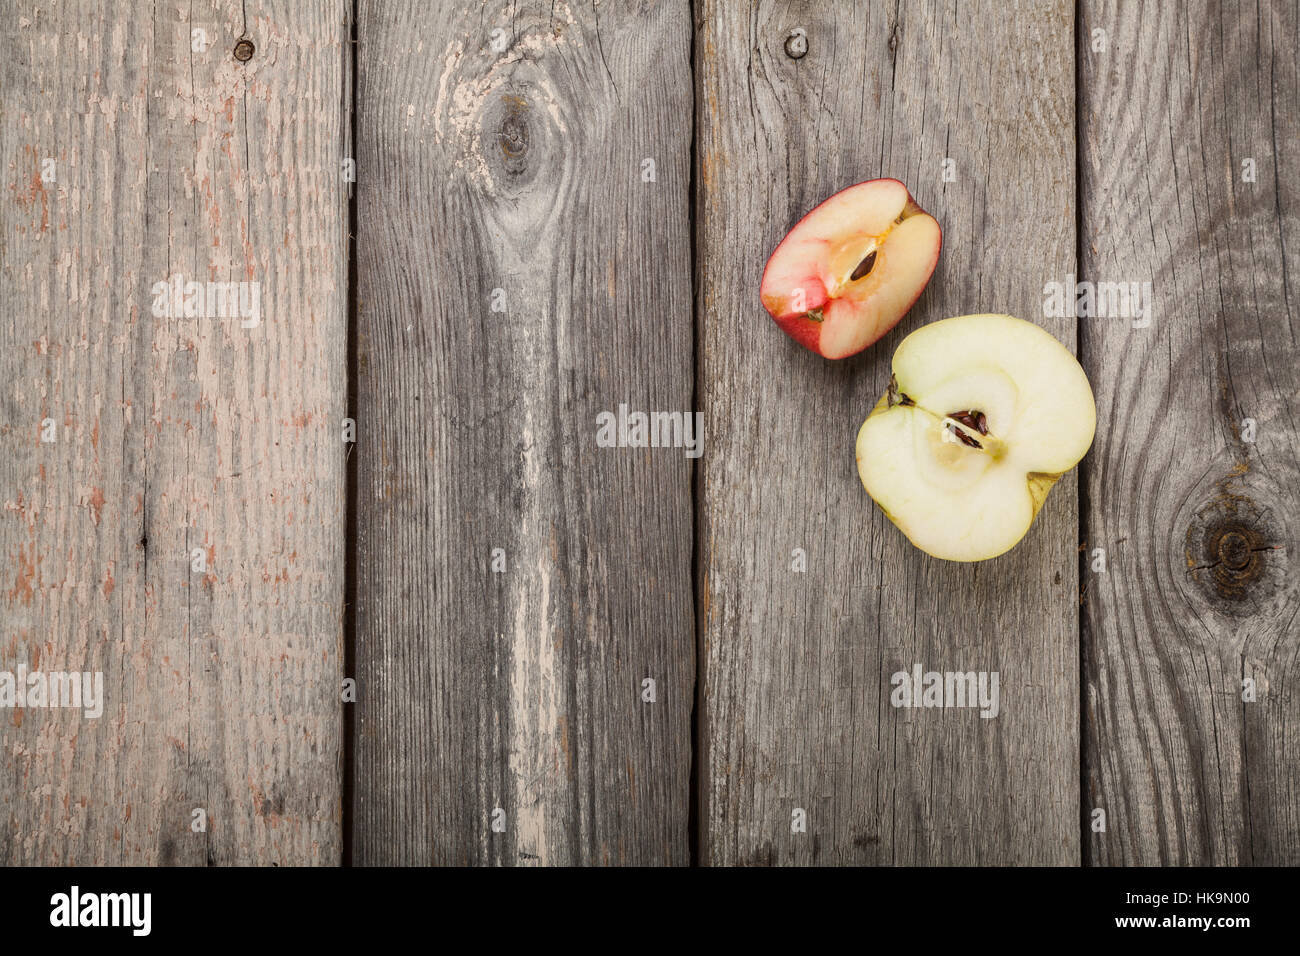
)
(537, 232)
(172, 435)
(520, 169)
(797, 666)
(1198, 521)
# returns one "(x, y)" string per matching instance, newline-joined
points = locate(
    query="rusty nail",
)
(244, 50)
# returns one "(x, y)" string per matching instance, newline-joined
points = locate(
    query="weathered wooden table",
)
(361, 582)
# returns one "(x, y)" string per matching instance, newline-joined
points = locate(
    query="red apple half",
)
(851, 268)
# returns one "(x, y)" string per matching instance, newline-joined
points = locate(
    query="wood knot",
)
(796, 44)
(512, 134)
(1234, 548)
(522, 147)
(1235, 525)
(244, 50)
(1229, 552)
(1237, 551)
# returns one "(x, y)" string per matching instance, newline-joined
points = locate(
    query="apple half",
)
(851, 268)
(982, 415)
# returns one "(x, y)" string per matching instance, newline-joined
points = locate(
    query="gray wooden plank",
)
(520, 169)
(1197, 519)
(797, 666)
(173, 434)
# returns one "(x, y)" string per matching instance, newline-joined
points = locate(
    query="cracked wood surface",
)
(173, 436)
(519, 176)
(516, 176)
(1193, 488)
(797, 666)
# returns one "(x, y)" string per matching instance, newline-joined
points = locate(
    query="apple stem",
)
(896, 397)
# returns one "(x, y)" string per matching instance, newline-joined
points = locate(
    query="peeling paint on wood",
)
(222, 685)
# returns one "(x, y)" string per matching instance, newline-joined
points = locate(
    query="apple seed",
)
(864, 266)
(965, 439)
(972, 419)
(966, 418)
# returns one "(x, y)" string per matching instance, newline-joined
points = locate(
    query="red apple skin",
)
(802, 329)
(808, 332)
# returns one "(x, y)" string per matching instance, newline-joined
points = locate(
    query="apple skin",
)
(811, 333)
(802, 329)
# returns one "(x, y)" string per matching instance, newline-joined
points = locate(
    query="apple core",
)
(965, 484)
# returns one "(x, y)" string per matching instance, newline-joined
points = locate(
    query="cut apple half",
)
(851, 268)
(982, 415)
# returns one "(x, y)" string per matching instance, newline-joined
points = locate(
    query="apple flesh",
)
(851, 268)
(982, 415)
